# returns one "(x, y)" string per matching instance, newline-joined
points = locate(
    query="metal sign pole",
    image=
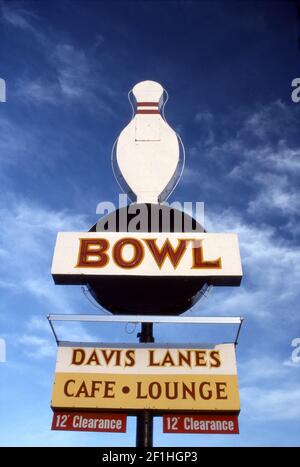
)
(144, 420)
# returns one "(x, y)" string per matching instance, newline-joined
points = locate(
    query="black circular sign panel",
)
(147, 295)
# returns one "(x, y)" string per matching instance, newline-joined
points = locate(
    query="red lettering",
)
(138, 253)
(167, 250)
(92, 253)
(198, 261)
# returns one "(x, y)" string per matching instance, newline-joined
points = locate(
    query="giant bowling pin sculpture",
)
(147, 152)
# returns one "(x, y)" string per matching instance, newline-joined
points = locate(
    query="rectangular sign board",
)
(201, 424)
(201, 379)
(89, 421)
(79, 256)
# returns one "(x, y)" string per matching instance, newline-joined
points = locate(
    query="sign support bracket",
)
(146, 334)
(238, 332)
(53, 330)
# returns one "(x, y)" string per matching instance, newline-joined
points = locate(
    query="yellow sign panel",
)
(155, 392)
(147, 378)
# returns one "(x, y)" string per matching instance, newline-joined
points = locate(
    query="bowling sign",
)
(80, 256)
(161, 379)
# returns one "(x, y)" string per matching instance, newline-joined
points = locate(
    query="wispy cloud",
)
(15, 15)
(271, 404)
(263, 369)
(74, 73)
(71, 78)
(276, 193)
(275, 119)
(190, 175)
(206, 124)
(271, 268)
(258, 151)
(38, 342)
(38, 323)
(39, 91)
(14, 141)
(39, 226)
(37, 347)
(281, 159)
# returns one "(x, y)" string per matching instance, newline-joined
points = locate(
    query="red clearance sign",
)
(89, 421)
(206, 424)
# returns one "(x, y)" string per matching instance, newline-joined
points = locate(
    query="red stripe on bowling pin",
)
(148, 111)
(148, 104)
(145, 110)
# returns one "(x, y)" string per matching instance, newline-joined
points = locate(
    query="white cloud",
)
(292, 364)
(262, 369)
(38, 342)
(270, 160)
(204, 116)
(280, 159)
(16, 16)
(262, 403)
(190, 175)
(38, 323)
(73, 79)
(261, 149)
(43, 289)
(74, 71)
(206, 122)
(99, 40)
(268, 120)
(15, 141)
(37, 347)
(38, 92)
(271, 268)
(276, 193)
(73, 331)
(37, 227)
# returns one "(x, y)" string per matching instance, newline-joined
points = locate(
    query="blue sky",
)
(228, 68)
